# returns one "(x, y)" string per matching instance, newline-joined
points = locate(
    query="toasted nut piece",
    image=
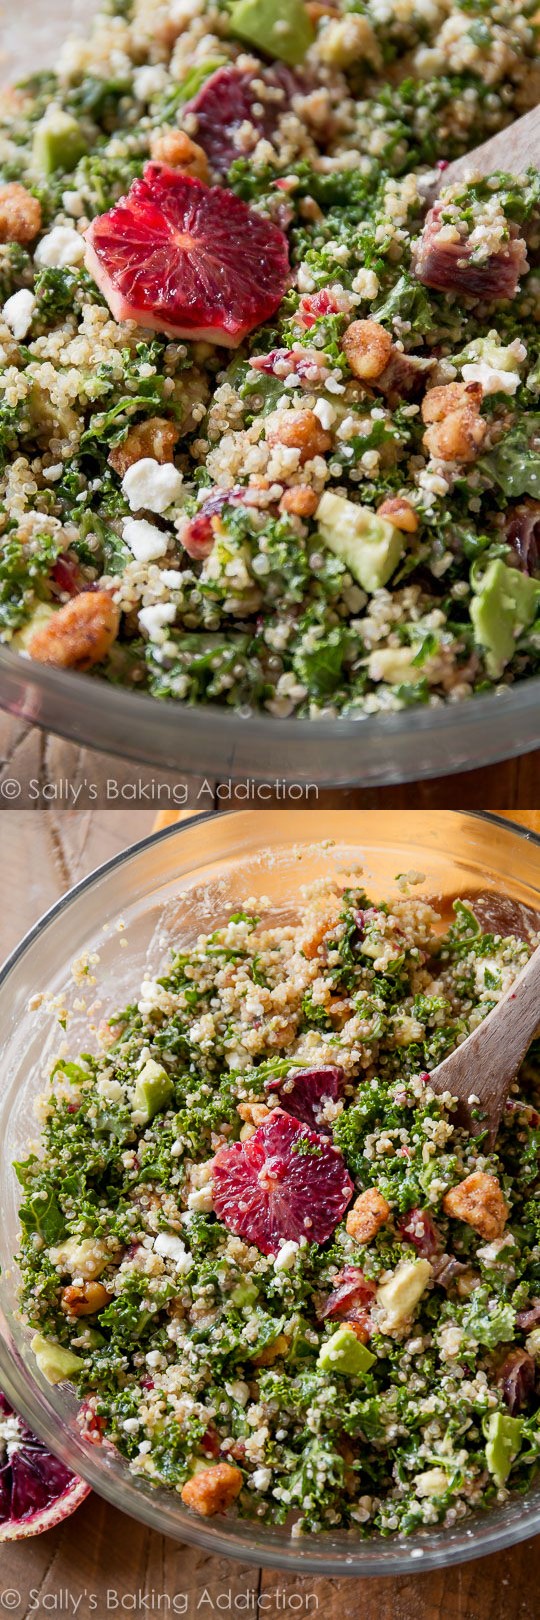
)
(367, 347)
(298, 430)
(360, 1331)
(172, 146)
(85, 1300)
(20, 214)
(213, 1489)
(80, 634)
(301, 501)
(399, 512)
(253, 1112)
(271, 1352)
(456, 430)
(438, 403)
(369, 1212)
(479, 1201)
(156, 437)
(315, 10)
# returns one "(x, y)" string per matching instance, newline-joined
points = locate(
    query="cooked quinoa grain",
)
(355, 522)
(290, 1286)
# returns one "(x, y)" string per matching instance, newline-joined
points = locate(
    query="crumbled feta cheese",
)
(492, 381)
(325, 412)
(286, 1257)
(201, 1198)
(260, 1479)
(434, 1482)
(151, 484)
(61, 247)
(73, 204)
(18, 312)
(144, 539)
(172, 1248)
(152, 619)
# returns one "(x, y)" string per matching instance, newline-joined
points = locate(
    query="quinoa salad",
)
(285, 1283)
(269, 415)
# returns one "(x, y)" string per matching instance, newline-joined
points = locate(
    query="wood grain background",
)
(99, 1550)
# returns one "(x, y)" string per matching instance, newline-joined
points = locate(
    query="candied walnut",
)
(213, 1489)
(399, 511)
(360, 1331)
(80, 634)
(20, 214)
(368, 1213)
(253, 1112)
(298, 430)
(441, 402)
(156, 438)
(301, 501)
(367, 347)
(479, 1201)
(85, 1300)
(456, 431)
(272, 1352)
(174, 147)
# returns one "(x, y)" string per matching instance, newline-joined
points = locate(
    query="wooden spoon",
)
(487, 1062)
(511, 151)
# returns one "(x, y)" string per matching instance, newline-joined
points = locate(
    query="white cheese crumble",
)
(286, 1257)
(172, 1248)
(151, 484)
(18, 312)
(144, 539)
(61, 247)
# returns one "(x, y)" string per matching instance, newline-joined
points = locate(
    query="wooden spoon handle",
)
(487, 1062)
(512, 150)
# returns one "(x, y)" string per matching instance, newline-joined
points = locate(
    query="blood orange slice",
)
(305, 1093)
(187, 259)
(36, 1490)
(285, 1182)
(229, 101)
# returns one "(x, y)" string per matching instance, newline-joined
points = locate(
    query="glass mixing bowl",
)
(167, 889)
(363, 752)
(379, 749)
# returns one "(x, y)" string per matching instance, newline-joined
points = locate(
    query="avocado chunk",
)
(344, 1353)
(281, 28)
(58, 142)
(400, 1294)
(153, 1091)
(369, 546)
(504, 1436)
(504, 603)
(56, 1364)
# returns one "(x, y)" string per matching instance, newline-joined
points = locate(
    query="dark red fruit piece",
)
(419, 1229)
(350, 1298)
(305, 1093)
(530, 1317)
(187, 259)
(285, 1182)
(517, 1377)
(451, 267)
(313, 305)
(522, 532)
(228, 100)
(198, 538)
(66, 576)
(36, 1490)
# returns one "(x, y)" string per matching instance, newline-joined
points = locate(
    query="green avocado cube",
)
(154, 1090)
(370, 546)
(280, 28)
(58, 142)
(56, 1364)
(504, 1436)
(504, 603)
(344, 1353)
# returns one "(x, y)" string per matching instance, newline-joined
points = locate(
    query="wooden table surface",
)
(99, 1551)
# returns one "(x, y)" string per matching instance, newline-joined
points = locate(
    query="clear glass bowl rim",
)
(367, 751)
(490, 1533)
